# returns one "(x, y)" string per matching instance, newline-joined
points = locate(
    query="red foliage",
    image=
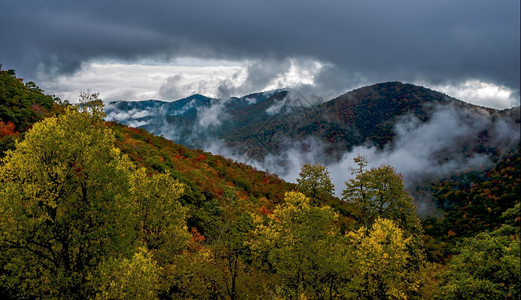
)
(38, 109)
(196, 236)
(200, 158)
(135, 130)
(196, 242)
(264, 211)
(7, 129)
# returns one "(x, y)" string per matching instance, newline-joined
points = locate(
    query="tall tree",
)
(303, 245)
(160, 216)
(380, 258)
(380, 192)
(315, 183)
(65, 206)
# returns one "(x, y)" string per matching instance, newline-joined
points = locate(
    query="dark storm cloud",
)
(438, 40)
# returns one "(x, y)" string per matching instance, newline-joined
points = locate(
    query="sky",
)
(169, 49)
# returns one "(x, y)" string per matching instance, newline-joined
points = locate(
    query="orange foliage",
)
(201, 157)
(135, 130)
(7, 129)
(265, 211)
(197, 240)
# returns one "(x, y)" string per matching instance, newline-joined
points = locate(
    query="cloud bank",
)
(437, 42)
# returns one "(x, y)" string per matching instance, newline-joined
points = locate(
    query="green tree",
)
(315, 183)
(160, 217)
(137, 277)
(221, 264)
(487, 266)
(303, 245)
(65, 206)
(229, 252)
(380, 192)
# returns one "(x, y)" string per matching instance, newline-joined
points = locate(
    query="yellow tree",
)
(302, 244)
(64, 205)
(160, 216)
(137, 277)
(380, 257)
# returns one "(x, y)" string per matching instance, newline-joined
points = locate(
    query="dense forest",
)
(96, 209)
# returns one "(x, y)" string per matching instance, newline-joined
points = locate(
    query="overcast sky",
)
(133, 50)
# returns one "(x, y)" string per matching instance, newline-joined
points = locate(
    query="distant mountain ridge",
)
(178, 120)
(266, 123)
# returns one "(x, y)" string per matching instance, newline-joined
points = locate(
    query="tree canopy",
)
(303, 244)
(69, 200)
(315, 183)
(379, 192)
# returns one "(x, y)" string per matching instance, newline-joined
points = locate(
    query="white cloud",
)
(211, 116)
(126, 115)
(300, 72)
(251, 100)
(480, 93)
(139, 81)
(148, 79)
(420, 150)
(182, 77)
(293, 99)
(137, 123)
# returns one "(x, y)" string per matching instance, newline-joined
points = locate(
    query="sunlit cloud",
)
(186, 76)
(181, 78)
(301, 72)
(480, 93)
(139, 81)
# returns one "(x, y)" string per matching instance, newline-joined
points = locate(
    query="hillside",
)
(474, 202)
(214, 183)
(191, 121)
(20, 106)
(424, 134)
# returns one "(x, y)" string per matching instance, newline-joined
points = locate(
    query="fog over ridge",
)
(418, 150)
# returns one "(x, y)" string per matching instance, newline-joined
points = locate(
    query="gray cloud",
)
(438, 41)
(259, 73)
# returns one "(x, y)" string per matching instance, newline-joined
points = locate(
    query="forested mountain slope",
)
(285, 119)
(91, 208)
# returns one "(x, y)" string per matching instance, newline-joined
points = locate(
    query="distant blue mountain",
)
(179, 120)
